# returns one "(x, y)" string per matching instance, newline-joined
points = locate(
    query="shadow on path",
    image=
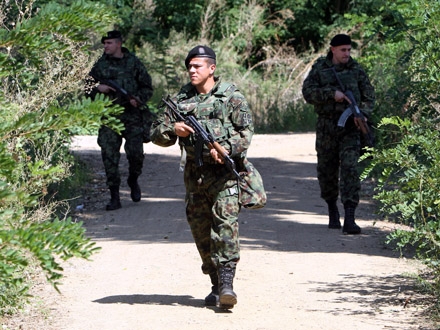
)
(152, 299)
(293, 223)
(294, 218)
(381, 292)
(160, 299)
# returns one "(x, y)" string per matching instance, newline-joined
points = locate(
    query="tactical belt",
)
(228, 192)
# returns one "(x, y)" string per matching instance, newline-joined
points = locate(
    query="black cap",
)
(340, 39)
(112, 35)
(199, 51)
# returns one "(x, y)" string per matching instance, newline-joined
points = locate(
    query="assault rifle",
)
(353, 109)
(118, 88)
(202, 135)
(147, 116)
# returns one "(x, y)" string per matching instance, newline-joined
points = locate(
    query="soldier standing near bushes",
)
(338, 148)
(118, 65)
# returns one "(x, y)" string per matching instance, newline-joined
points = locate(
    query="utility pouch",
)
(147, 121)
(251, 190)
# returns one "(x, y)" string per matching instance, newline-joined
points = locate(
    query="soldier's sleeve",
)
(312, 90)
(366, 89)
(144, 82)
(162, 130)
(90, 83)
(242, 128)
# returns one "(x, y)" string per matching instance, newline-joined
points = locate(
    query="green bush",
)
(43, 62)
(403, 56)
(408, 187)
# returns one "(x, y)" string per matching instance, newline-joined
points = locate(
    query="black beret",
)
(199, 51)
(340, 39)
(112, 35)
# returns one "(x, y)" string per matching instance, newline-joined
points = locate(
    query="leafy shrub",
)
(408, 187)
(43, 62)
(402, 55)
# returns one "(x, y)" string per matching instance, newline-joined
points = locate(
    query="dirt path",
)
(294, 272)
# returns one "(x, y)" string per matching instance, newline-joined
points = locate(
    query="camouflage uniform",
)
(129, 73)
(337, 148)
(212, 205)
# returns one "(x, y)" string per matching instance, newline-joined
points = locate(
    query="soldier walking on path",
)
(338, 148)
(118, 66)
(212, 200)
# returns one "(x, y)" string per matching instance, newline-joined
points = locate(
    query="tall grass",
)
(272, 86)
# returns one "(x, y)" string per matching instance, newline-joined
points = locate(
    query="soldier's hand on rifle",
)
(183, 130)
(217, 156)
(339, 96)
(134, 103)
(105, 89)
(358, 122)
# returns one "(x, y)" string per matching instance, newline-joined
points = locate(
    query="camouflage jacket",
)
(224, 113)
(320, 85)
(129, 73)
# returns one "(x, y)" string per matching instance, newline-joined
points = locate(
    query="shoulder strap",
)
(225, 91)
(339, 80)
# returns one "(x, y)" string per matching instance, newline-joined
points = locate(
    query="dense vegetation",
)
(43, 60)
(266, 47)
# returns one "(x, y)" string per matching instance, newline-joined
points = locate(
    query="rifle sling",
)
(199, 151)
(339, 80)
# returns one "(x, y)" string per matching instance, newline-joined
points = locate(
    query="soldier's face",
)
(111, 46)
(200, 70)
(341, 54)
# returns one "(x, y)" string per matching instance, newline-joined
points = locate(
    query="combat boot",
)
(227, 297)
(333, 215)
(115, 202)
(212, 298)
(135, 193)
(350, 227)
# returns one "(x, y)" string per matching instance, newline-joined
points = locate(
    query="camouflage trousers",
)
(338, 151)
(110, 143)
(212, 210)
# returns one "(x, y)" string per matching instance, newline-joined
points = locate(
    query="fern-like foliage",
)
(408, 187)
(44, 59)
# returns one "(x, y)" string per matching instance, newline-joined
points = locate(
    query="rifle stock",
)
(200, 132)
